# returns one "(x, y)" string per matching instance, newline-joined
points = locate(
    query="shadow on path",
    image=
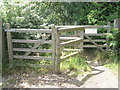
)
(79, 83)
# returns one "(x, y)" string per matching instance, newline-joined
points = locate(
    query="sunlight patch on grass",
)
(113, 66)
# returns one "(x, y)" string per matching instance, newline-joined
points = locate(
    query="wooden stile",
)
(10, 46)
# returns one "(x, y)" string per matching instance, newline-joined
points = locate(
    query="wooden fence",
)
(60, 41)
(57, 45)
(97, 42)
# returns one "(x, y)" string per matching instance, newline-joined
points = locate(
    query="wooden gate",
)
(92, 31)
(60, 41)
(56, 42)
(46, 32)
(97, 42)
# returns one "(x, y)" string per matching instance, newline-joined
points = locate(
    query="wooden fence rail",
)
(58, 42)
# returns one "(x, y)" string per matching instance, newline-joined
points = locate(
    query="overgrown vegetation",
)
(75, 65)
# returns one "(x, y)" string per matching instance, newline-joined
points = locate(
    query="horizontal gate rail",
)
(70, 29)
(30, 30)
(32, 57)
(70, 42)
(69, 38)
(85, 26)
(67, 50)
(32, 41)
(34, 65)
(95, 40)
(99, 34)
(70, 55)
(33, 50)
(93, 46)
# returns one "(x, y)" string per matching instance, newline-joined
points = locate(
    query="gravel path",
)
(100, 77)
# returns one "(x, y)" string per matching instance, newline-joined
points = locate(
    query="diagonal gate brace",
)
(94, 43)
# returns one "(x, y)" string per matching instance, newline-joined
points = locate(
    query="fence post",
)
(81, 35)
(53, 47)
(117, 23)
(57, 63)
(107, 39)
(1, 47)
(117, 26)
(10, 46)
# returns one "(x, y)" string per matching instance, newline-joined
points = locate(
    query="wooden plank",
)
(70, 29)
(34, 65)
(10, 46)
(53, 48)
(85, 26)
(37, 44)
(69, 38)
(98, 34)
(70, 42)
(67, 50)
(95, 40)
(93, 46)
(107, 39)
(33, 50)
(32, 41)
(32, 57)
(29, 30)
(70, 55)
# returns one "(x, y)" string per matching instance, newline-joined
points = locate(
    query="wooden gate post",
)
(117, 23)
(1, 47)
(107, 39)
(117, 26)
(53, 47)
(57, 63)
(81, 35)
(10, 46)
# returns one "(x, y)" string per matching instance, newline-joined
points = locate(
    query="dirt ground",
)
(100, 77)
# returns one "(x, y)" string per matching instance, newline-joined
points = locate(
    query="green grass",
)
(75, 65)
(113, 66)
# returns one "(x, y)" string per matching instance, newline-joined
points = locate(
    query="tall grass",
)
(75, 65)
